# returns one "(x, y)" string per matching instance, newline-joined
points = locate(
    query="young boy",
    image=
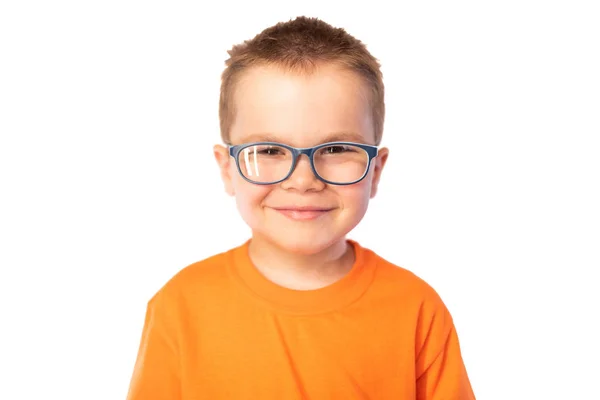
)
(299, 311)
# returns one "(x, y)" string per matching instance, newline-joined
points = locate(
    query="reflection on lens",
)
(265, 163)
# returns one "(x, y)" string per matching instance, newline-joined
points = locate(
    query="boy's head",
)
(301, 84)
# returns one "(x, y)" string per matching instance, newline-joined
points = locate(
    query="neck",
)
(301, 271)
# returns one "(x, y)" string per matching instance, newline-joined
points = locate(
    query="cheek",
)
(355, 198)
(248, 196)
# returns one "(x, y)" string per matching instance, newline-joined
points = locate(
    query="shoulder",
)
(207, 276)
(394, 280)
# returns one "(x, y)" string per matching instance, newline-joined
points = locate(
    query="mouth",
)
(303, 213)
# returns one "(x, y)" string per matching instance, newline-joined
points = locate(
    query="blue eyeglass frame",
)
(235, 150)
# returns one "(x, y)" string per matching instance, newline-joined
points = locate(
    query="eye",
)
(270, 151)
(338, 148)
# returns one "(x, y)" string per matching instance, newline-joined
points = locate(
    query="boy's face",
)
(302, 111)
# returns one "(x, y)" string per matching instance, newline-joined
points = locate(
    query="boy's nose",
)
(303, 178)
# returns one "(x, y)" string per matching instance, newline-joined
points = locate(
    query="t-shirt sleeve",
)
(440, 369)
(156, 372)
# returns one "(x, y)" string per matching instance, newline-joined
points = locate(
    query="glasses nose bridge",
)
(298, 152)
(308, 151)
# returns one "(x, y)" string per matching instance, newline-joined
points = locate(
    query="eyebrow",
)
(332, 137)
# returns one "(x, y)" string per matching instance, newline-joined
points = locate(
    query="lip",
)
(303, 213)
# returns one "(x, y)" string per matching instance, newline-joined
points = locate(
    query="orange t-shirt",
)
(220, 330)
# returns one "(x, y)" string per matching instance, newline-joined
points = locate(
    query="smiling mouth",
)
(303, 214)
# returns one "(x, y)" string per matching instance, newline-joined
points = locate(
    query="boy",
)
(299, 311)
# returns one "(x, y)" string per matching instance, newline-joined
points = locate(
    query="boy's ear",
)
(224, 162)
(379, 161)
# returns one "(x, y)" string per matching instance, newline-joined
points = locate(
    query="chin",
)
(305, 244)
(300, 238)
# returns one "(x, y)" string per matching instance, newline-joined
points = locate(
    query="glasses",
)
(335, 163)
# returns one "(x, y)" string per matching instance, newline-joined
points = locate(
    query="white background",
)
(108, 113)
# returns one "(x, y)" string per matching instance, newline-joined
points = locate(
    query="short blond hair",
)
(300, 45)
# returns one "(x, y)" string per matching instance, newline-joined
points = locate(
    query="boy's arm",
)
(440, 370)
(156, 373)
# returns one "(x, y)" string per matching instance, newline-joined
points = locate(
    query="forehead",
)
(329, 104)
